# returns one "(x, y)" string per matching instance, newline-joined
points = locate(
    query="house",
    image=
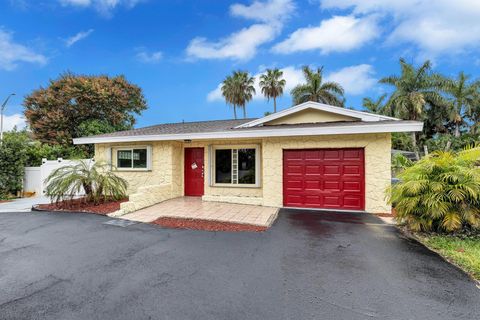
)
(309, 156)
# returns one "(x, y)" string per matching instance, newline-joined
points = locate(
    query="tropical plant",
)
(97, 181)
(13, 156)
(272, 85)
(400, 163)
(238, 89)
(462, 96)
(374, 106)
(441, 192)
(316, 90)
(414, 89)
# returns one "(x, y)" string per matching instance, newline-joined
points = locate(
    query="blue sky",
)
(179, 51)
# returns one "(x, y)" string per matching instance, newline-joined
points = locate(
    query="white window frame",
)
(131, 148)
(257, 183)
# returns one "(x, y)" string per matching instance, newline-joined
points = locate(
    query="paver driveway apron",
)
(195, 208)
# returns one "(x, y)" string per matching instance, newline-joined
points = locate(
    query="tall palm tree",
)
(243, 89)
(317, 90)
(414, 89)
(228, 92)
(374, 106)
(272, 84)
(462, 94)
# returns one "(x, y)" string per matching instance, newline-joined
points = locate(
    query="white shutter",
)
(149, 158)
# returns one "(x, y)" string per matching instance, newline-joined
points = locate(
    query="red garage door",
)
(324, 178)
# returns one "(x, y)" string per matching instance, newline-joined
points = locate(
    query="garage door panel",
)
(324, 178)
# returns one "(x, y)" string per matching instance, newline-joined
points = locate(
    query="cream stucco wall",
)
(168, 163)
(310, 116)
(377, 164)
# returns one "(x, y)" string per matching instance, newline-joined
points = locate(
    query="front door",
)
(194, 172)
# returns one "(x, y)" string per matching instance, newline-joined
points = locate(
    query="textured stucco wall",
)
(168, 164)
(377, 164)
(162, 164)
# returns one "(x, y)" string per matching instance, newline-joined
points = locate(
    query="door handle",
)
(202, 171)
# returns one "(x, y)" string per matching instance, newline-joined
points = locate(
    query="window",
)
(132, 158)
(235, 166)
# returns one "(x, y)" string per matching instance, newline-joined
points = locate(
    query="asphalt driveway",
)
(307, 266)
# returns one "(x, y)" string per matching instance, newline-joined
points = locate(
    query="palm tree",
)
(415, 88)
(462, 98)
(238, 89)
(374, 106)
(228, 92)
(244, 89)
(272, 85)
(316, 90)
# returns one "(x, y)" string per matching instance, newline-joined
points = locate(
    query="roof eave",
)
(396, 126)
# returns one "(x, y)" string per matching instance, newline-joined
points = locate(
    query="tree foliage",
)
(66, 108)
(13, 156)
(97, 181)
(238, 89)
(315, 89)
(272, 85)
(441, 192)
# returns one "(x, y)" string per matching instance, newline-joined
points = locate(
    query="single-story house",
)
(311, 155)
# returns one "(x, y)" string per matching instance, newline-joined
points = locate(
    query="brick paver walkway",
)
(195, 208)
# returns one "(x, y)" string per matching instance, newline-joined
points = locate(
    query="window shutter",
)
(108, 157)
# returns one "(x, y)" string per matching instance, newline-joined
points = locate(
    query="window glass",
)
(223, 166)
(246, 166)
(139, 158)
(124, 158)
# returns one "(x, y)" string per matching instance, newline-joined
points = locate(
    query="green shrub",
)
(440, 142)
(441, 192)
(97, 181)
(12, 162)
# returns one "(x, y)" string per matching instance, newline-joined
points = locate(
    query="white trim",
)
(400, 126)
(363, 116)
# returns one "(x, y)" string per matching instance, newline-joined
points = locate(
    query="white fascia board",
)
(263, 133)
(363, 116)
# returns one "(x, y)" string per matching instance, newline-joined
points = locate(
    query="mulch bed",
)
(2, 201)
(207, 225)
(79, 205)
(393, 214)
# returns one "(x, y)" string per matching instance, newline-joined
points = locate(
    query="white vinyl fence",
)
(34, 178)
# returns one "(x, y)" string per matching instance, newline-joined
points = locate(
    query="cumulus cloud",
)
(104, 7)
(15, 120)
(435, 27)
(149, 57)
(355, 80)
(241, 45)
(244, 44)
(269, 11)
(337, 34)
(12, 53)
(79, 36)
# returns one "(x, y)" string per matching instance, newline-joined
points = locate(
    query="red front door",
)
(324, 178)
(194, 172)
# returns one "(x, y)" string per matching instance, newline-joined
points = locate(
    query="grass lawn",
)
(465, 252)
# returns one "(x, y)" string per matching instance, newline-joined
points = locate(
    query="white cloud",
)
(79, 36)
(15, 120)
(104, 7)
(354, 79)
(337, 34)
(146, 57)
(292, 76)
(435, 27)
(243, 44)
(271, 11)
(12, 53)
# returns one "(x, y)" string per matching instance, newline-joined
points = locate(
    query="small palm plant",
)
(441, 192)
(97, 181)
